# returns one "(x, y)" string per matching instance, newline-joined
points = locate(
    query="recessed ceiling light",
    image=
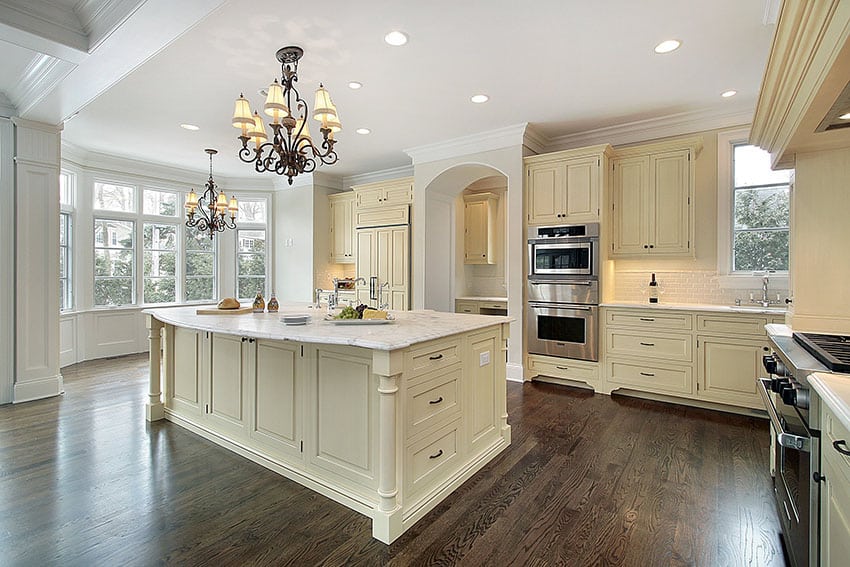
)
(667, 46)
(191, 127)
(396, 38)
(727, 94)
(363, 131)
(354, 85)
(844, 116)
(479, 98)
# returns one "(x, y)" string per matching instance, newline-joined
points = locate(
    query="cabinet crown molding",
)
(694, 144)
(597, 150)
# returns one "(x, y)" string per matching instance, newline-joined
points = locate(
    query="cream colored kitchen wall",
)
(820, 270)
(687, 279)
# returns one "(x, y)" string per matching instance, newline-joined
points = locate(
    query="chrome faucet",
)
(765, 301)
(381, 304)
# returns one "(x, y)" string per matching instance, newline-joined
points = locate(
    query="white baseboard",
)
(514, 372)
(38, 389)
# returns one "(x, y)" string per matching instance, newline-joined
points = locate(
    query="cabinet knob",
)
(652, 245)
(646, 246)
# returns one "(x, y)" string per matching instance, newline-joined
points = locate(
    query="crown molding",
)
(42, 75)
(655, 128)
(33, 125)
(535, 140)
(43, 24)
(7, 107)
(100, 18)
(483, 142)
(372, 177)
(99, 163)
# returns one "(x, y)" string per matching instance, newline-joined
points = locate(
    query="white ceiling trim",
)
(654, 128)
(472, 144)
(42, 75)
(100, 18)
(46, 20)
(7, 108)
(381, 175)
(535, 141)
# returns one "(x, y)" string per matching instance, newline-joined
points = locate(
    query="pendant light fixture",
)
(209, 212)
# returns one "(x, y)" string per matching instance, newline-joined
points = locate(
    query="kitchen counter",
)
(745, 309)
(409, 328)
(386, 419)
(834, 390)
(481, 298)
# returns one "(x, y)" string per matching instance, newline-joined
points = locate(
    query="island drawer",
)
(656, 345)
(566, 368)
(426, 460)
(835, 431)
(649, 319)
(433, 402)
(734, 324)
(433, 355)
(650, 377)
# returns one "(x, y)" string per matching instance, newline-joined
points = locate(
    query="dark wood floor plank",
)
(588, 480)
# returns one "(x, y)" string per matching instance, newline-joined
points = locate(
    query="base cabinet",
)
(727, 367)
(387, 433)
(563, 370)
(835, 491)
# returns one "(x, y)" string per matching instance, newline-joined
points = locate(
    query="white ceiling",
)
(564, 66)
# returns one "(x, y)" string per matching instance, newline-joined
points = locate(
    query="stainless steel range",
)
(794, 411)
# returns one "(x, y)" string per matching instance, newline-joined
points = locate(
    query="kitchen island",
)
(386, 419)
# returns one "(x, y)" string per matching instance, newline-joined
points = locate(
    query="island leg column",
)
(154, 410)
(386, 526)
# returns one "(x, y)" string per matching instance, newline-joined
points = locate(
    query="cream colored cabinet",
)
(342, 228)
(479, 228)
(565, 186)
(835, 492)
(562, 370)
(185, 363)
(227, 400)
(462, 306)
(384, 193)
(275, 389)
(385, 252)
(652, 199)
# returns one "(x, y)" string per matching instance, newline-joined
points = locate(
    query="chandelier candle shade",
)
(291, 150)
(212, 208)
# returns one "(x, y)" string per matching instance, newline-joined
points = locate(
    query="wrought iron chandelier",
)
(291, 150)
(212, 207)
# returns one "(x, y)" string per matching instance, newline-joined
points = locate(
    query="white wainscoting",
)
(101, 333)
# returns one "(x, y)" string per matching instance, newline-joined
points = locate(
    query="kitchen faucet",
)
(765, 301)
(381, 287)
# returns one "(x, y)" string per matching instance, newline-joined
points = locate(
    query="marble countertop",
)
(410, 327)
(834, 390)
(482, 298)
(745, 309)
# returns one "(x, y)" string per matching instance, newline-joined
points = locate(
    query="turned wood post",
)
(154, 410)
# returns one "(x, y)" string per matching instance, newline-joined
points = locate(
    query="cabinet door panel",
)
(483, 357)
(582, 197)
(226, 397)
(728, 368)
(669, 205)
(835, 510)
(475, 232)
(185, 386)
(631, 214)
(546, 190)
(276, 396)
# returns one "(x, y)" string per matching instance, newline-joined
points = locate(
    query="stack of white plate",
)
(295, 319)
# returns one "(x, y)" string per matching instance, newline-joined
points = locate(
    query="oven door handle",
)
(565, 306)
(784, 438)
(564, 282)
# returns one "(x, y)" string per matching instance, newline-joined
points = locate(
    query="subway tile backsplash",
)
(686, 287)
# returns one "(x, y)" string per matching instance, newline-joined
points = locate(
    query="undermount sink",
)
(757, 308)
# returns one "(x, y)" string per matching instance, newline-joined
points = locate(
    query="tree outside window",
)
(251, 263)
(160, 263)
(114, 263)
(200, 267)
(761, 212)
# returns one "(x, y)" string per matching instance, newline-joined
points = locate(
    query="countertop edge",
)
(695, 307)
(834, 391)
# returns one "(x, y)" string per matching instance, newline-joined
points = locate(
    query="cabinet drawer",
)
(493, 304)
(433, 355)
(649, 320)
(735, 324)
(835, 431)
(656, 345)
(466, 307)
(380, 216)
(651, 377)
(433, 402)
(565, 368)
(432, 459)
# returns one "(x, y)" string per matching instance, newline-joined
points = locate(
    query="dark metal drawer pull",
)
(437, 455)
(647, 374)
(437, 401)
(562, 367)
(646, 319)
(837, 445)
(647, 344)
(436, 357)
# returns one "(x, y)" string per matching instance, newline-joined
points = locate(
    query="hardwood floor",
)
(588, 480)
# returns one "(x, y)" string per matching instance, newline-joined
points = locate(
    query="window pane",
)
(159, 203)
(767, 207)
(252, 241)
(160, 290)
(62, 236)
(113, 233)
(113, 263)
(200, 264)
(198, 241)
(249, 286)
(252, 211)
(752, 167)
(252, 265)
(159, 264)
(65, 189)
(761, 250)
(114, 197)
(113, 291)
(160, 236)
(199, 284)
(198, 289)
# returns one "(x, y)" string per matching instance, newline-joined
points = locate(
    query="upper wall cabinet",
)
(479, 228)
(384, 193)
(343, 238)
(565, 186)
(652, 198)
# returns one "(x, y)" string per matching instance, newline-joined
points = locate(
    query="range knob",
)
(777, 384)
(769, 362)
(789, 395)
(802, 399)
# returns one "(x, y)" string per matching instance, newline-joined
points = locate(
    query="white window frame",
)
(134, 294)
(243, 225)
(726, 141)
(185, 232)
(157, 220)
(69, 209)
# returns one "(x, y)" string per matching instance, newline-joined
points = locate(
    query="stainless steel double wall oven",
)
(562, 313)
